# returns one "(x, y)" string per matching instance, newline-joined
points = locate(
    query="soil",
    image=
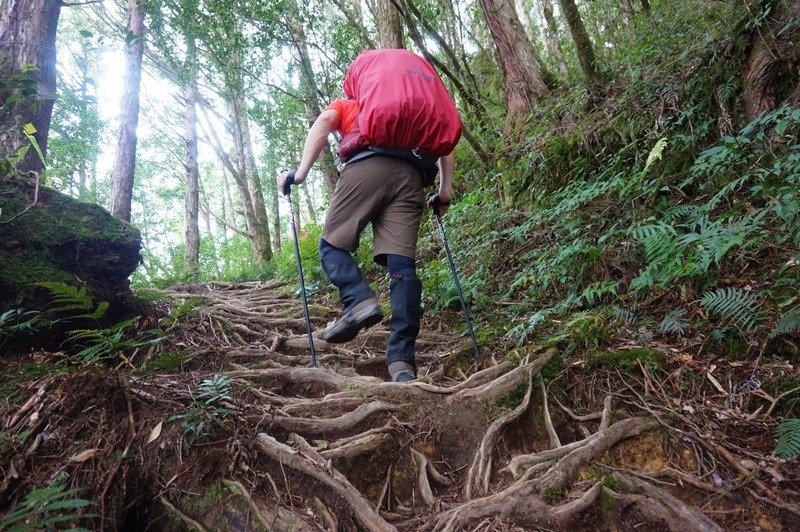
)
(225, 425)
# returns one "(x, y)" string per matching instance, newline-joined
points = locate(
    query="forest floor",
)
(224, 425)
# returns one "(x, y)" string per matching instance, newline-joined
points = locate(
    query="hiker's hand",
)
(288, 178)
(436, 203)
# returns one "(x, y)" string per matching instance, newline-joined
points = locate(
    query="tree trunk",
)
(553, 42)
(312, 214)
(390, 25)
(125, 163)
(522, 69)
(255, 194)
(241, 182)
(192, 247)
(27, 37)
(583, 45)
(771, 73)
(310, 92)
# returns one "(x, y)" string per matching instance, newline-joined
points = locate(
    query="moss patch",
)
(62, 240)
(627, 359)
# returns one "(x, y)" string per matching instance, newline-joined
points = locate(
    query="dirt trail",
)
(225, 426)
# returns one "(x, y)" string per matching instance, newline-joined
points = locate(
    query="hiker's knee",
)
(401, 267)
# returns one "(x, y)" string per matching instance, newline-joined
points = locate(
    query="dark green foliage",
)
(789, 323)
(47, 508)
(205, 418)
(787, 445)
(674, 322)
(741, 308)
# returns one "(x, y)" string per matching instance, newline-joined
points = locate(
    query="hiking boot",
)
(403, 376)
(364, 314)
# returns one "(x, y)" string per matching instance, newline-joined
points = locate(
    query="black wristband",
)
(290, 178)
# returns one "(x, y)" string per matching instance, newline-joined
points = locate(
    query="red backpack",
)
(402, 105)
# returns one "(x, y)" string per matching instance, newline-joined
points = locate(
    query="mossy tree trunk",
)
(771, 73)
(523, 73)
(192, 230)
(583, 45)
(553, 42)
(27, 37)
(125, 163)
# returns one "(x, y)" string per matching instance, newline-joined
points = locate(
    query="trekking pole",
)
(287, 193)
(435, 206)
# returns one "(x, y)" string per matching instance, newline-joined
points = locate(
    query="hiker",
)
(381, 186)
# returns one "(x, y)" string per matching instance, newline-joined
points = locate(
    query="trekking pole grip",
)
(287, 187)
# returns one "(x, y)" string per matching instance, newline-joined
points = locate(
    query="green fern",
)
(596, 291)
(740, 307)
(674, 322)
(787, 445)
(45, 508)
(655, 154)
(66, 298)
(788, 324)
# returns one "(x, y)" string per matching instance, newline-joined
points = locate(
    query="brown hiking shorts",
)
(385, 191)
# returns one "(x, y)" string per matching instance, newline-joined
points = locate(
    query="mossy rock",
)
(60, 239)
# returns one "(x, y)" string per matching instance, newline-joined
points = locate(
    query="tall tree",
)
(27, 37)
(310, 93)
(553, 41)
(583, 45)
(192, 231)
(389, 24)
(125, 163)
(523, 73)
(773, 61)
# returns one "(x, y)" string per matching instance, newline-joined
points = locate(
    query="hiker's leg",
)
(406, 298)
(343, 272)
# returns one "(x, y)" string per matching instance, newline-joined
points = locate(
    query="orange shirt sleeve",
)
(348, 111)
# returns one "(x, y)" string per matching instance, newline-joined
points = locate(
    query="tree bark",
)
(255, 194)
(522, 68)
(310, 92)
(553, 42)
(771, 72)
(390, 25)
(192, 230)
(125, 163)
(27, 37)
(583, 45)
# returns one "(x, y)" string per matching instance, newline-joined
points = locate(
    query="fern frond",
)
(67, 297)
(674, 322)
(742, 308)
(655, 153)
(787, 445)
(626, 315)
(788, 324)
(595, 291)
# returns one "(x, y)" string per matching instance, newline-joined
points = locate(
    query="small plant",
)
(18, 322)
(206, 414)
(787, 445)
(68, 298)
(674, 322)
(740, 307)
(44, 508)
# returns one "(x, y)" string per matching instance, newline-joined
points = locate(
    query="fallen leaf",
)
(83, 455)
(155, 433)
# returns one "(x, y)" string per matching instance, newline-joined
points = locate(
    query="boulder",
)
(61, 239)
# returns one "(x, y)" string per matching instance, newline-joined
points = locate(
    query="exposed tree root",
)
(338, 448)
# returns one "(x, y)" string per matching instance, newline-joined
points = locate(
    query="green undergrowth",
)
(646, 218)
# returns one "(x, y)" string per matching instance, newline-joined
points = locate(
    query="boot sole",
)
(350, 329)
